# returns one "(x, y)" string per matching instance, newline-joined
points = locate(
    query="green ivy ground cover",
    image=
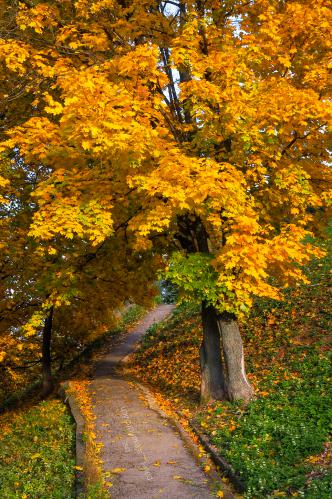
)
(37, 453)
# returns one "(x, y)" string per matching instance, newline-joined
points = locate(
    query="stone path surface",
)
(152, 458)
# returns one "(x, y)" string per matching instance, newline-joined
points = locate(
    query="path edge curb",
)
(80, 447)
(218, 460)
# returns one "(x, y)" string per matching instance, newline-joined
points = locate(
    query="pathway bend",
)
(150, 453)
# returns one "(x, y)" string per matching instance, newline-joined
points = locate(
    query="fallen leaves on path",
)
(79, 389)
(117, 471)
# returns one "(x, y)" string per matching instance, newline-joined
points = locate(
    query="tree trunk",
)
(46, 356)
(212, 377)
(237, 386)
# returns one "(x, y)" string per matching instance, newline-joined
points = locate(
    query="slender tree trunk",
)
(46, 355)
(212, 376)
(236, 384)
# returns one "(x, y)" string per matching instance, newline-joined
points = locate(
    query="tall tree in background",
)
(206, 122)
(57, 295)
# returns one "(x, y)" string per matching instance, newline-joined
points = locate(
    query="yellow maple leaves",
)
(70, 217)
(53, 107)
(15, 54)
(223, 118)
(38, 18)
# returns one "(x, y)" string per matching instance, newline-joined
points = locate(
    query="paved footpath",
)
(153, 459)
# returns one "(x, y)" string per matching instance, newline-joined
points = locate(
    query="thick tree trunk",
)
(237, 386)
(222, 370)
(46, 355)
(212, 377)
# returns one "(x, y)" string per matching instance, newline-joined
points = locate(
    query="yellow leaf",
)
(118, 470)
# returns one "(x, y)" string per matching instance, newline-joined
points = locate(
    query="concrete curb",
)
(212, 474)
(79, 439)
(218, 460)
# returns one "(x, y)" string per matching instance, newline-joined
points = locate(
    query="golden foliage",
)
(240, 142)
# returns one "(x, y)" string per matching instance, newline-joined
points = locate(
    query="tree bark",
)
(212, 376)
(47, 386)
(237, 386)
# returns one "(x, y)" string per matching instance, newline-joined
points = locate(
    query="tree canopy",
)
(196, 130)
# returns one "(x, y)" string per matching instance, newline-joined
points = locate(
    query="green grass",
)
(275, 434)
(37, 453)
(131, 315)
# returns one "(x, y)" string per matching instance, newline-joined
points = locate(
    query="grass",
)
(278, 444)
(37, 453)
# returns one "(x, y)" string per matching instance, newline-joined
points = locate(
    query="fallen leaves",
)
(117, 471)
(79, 389)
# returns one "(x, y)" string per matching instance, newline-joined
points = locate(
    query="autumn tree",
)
(57, 295)
(199, 128)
